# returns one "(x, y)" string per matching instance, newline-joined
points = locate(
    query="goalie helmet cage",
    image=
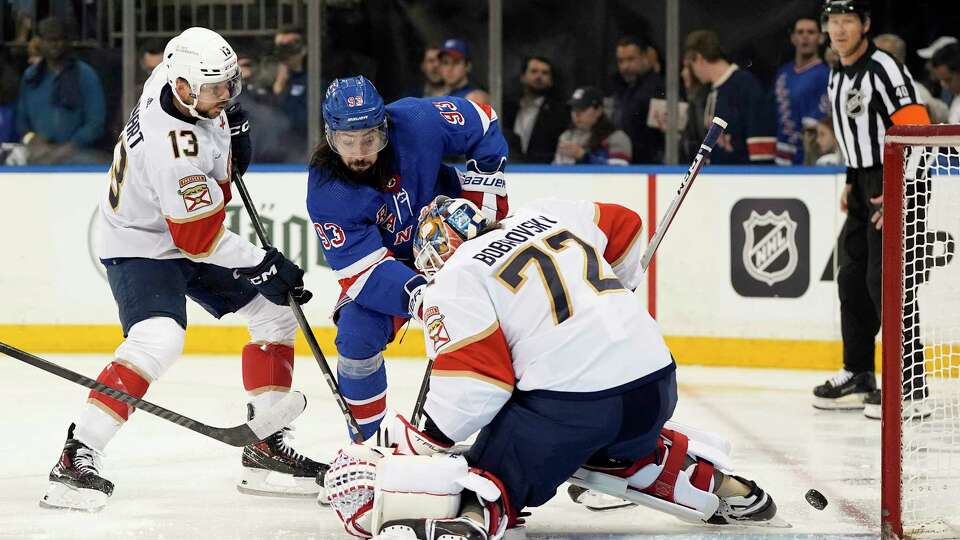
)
(920, 465)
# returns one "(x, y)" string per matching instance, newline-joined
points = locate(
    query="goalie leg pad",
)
(661, 481)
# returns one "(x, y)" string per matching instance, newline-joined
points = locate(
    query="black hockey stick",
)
(716, 129)
(301, 318)
(253, 431)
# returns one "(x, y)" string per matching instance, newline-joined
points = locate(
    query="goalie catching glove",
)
(400, 434)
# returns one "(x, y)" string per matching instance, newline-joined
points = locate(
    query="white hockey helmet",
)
(206, 61)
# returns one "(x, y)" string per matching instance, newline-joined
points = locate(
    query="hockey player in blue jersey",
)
(368, 180)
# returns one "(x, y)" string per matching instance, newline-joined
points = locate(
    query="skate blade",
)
(776, 522)
(266, 483)
(845, 403)
(596, 501)
(63, 497)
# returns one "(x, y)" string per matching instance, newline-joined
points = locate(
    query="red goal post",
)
(920, 464)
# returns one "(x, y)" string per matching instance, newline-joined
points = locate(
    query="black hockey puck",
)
(816, 499)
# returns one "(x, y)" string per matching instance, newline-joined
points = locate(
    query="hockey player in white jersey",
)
(162, 240)
(538, 343)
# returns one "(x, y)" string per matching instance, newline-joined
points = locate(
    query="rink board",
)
(743, 277)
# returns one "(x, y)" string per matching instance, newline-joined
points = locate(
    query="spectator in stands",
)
(592, 139)
(927, 54)
(272, 138)
(897, 48)
(455, 66)
(433, 84)
(946, 67)
(694, 129)
(800, 91)
(635, 82)
(827, 143)
(151, 56)
(737, 97)
(534, 122)
(290, 84)
(8, 100)
(61, 107)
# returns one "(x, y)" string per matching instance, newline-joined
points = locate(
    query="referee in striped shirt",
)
(869, 91)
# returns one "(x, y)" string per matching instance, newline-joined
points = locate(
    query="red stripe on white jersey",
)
(197, 237)
(621, 226)
(488, 357)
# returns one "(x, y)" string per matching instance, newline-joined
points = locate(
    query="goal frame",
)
(891, 467)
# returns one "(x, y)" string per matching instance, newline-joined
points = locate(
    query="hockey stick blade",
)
(261, 427)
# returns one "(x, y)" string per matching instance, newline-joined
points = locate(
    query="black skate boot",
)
(75, 481)
(755, 506)
(461, 528)
(272, 467)
(913, 407)
(845, 390)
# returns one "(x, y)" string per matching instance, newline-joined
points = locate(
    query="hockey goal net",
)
(921, 333)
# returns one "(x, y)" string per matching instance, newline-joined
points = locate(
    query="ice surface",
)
(175, 484)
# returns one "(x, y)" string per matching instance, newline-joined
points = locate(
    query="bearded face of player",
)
(212, 98)
(358, 148)
(848, 34)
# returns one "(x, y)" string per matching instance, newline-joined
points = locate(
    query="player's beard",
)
(375, 175)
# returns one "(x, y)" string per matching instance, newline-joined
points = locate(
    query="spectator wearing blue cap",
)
(455, 65)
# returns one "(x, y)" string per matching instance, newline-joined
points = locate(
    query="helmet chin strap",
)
(192, 109)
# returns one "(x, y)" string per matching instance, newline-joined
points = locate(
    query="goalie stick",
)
(352, 424)
(716, 129)
(261, 427)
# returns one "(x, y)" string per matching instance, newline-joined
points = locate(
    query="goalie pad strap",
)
(665, 484)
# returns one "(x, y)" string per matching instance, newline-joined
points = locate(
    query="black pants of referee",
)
(859, 277)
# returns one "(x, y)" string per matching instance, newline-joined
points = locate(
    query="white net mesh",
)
(930, 449)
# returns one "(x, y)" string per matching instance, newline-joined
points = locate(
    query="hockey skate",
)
(911, 408)
(754, 508)
(75, 481)
(845, 390)
(272, 467)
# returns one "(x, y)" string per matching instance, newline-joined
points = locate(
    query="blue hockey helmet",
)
(355, 117)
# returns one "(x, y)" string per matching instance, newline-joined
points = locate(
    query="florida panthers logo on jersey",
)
(436, 330)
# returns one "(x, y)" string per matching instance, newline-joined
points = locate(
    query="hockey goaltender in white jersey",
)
(163, 240)
(538, 343)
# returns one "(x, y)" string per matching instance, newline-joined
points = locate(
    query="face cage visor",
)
(432, 246)
(211, 94)
(359, 142)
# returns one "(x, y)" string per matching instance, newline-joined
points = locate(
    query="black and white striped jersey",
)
(863, 97)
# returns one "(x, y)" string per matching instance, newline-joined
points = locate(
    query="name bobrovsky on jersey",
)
(513, 238)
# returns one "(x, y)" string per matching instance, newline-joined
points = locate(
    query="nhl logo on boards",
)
(853, 104)
(778, 243)
(770, 247)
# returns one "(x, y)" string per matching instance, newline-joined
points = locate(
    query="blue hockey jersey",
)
(367, 234)
(801, 99)
(738, 98)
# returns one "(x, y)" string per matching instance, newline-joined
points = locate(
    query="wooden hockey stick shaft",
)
(352, 424)
(242, 435)
(716, 129)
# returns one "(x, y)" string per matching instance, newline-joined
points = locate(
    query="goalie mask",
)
(444, 226)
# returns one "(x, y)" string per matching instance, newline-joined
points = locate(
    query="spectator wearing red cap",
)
(455, 66)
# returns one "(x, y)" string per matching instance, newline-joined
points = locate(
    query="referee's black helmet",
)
(861, 8)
